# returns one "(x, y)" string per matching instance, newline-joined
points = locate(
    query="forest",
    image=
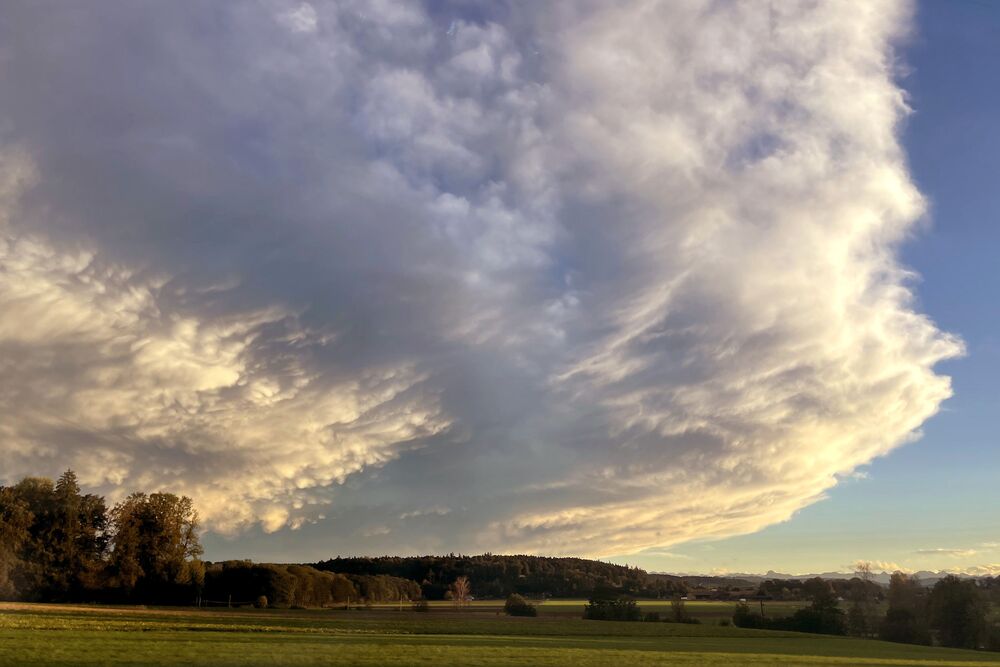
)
(496, 576)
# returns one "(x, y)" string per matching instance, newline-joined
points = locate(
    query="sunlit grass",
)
(79, 635)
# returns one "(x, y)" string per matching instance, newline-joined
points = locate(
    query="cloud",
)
(985, 570)
(437, 510)
(958, 553)
(605, 277)
(884, 566)
(665, 553)
(131, 390)
(301, 19)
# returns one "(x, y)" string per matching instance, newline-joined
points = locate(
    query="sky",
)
(699, 286)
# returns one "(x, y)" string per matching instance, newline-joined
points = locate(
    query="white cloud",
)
(130, 392)
(606, 277)
(957, 553)
(301, 19)
(663, 553)
(986, 570)
(436, 510)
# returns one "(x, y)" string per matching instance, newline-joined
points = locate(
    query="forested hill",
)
(495, 576)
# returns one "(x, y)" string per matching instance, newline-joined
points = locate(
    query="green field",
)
(80, 635)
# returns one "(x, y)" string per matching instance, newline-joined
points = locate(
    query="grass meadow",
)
(84, 635)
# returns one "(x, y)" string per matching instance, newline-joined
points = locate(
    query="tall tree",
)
(460, 591)
(38, 574)
(15, 523)
(66, 519)
(906, 619)
(78, 536)
(957, 612)
(905, 592)
(156, 544)
(824, 614)
(861, 615)
(61, 554)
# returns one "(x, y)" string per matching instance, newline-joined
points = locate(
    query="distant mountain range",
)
(927, 577)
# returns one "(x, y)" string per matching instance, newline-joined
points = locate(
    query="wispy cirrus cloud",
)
(605, 277)
(958, 553)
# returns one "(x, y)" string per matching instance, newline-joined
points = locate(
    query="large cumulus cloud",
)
(573, 278)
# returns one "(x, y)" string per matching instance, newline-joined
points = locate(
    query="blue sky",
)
(568, 278)
(940, 492)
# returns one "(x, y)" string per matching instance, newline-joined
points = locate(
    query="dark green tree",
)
(823, 615)
(15, 524)
(37, 571)
(906, 619)
(78, 538)
(957, 612)
(905, 592)
(607, 606)
(678, 612)
(862, 614)
(516, 605)
(902, 625)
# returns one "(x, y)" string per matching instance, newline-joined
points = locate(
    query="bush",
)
(261, 602)
(678, 611)
(809, 619)
(518, 606)
(819, 621)
(421, 606)
(744, 618)
(725, 622)
(612, 609)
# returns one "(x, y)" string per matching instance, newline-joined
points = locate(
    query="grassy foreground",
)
(78, 635)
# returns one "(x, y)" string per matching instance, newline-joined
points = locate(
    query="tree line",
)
(954, 612)
(800, 589)
(240, 583)
(496, 576)
(59, 544)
